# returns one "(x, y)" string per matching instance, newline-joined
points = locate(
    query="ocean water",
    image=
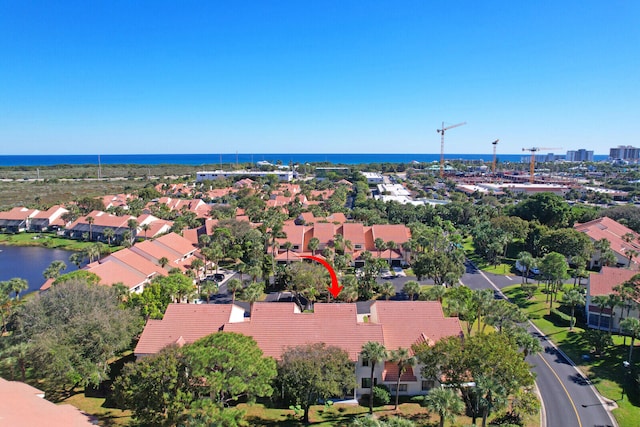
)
(216, 159)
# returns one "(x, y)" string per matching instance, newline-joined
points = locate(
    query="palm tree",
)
(233, 286)
(252, 293)
(613, 300)
(54, 269)
(373, 352)
(445, 402)
(601, 302)
(482, 299)
(572, 298)
(209, 287)
(632, 326)
(403, 358)
(108, 234)
(164, 261)
(90, 220)
(77, 258)
(411, 288)
(380, 245)
(145, 228)
(630, 253)
(287, 247)
(132, 224)
(526, 261)
(314, 243)
(17, 285)
(436, 293)
(391, 245)
(387, 290)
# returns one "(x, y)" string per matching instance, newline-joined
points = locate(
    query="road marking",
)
(509, 278)
(565, 390)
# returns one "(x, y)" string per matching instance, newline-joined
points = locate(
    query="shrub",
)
(381, 395)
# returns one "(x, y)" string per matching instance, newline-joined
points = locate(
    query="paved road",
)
(569, 399)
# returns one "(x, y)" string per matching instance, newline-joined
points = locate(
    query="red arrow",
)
(335, 287)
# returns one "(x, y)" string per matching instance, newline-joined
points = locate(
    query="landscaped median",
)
(605, 370)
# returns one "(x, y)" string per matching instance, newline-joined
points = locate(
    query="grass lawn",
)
(47, 240)
(606, 371)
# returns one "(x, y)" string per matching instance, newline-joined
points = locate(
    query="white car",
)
(399, 272)
(386, 274)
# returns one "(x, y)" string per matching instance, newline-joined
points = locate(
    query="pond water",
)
(29, 262)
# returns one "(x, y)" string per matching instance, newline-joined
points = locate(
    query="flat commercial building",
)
(213, 175)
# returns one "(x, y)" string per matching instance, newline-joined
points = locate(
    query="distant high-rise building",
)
(625, 152)
(580, 155)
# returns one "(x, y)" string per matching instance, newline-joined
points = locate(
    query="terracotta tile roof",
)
(391, 371)
(24, 406)
(398, 233)
(607, 228)
(337, 217)
(354, 232)
(185, 322)
(276, 326)
(324, 232)
(103, 219)
(602, 283)
(295, 235)
(112, 272)
(19, 213)
(137, 262)
(426, 318)
(177, 243)
(52, 213)
(154, 252)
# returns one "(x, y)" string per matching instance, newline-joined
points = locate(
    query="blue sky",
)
(298, 76)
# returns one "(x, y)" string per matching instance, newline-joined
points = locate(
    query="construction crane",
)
(493, 165)
(533, 151)
(441, 131)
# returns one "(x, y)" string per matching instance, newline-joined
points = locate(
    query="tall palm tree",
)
(287, 247)
(387, 290)
(233, 287)
(314, 243)
(90, 220)
(482, 299)
(108, 234)
(77, 258)
(527, 262)
(436, 293)
(54, 269)
(613, 300)
(572, 298)
(17, 285)
(373, 352)
(403, 358)
(133, 225)
(145, 228)
(601, 302)
(632, 326)
(445, 402)
(209, 287)
(391, 245)
(411, 288)
(380, 245)
(252, 293)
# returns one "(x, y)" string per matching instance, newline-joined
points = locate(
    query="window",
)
(295, 247)
(365, 362)
(366, 383)
(403, 387)
(428, 384)
(358, 246)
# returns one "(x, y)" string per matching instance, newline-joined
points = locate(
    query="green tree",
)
(78, 275)
(601, 302)
(77, 258)
(403, 359)
(314, 243)
(233, 287)
(527, 262)
(108, 234)
(252, 294)
(54, 269)
(445, 402)
(73, 330)
(374, 352)
(548, 208)
(312, 372)
(152, 302)
(209, 287)
(572, 298)
(553, 269)
(156, 388)
(411, 288)
(230, 366)
(631, 326)
(387, 290)
(17, 285)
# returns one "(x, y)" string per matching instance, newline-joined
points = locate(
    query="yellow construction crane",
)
(441, 131)
(533, 151)
(493, 165)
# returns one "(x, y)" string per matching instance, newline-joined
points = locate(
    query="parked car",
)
(399, 272)
(386, 274)
(218, 277)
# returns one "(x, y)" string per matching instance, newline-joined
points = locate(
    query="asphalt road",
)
(569, 399)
